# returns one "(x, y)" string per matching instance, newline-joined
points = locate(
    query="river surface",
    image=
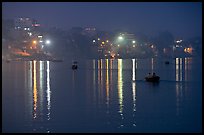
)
(102, 96)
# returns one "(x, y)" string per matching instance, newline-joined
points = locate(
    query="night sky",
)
(183, 19)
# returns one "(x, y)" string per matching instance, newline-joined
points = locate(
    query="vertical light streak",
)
(30, 87)
(133, 69)
(152, 61)
(94, 80)
(177, 99)
(134, 96)
(99, 77)
(41, 85)
(133, 90)
(25, 74)
(35, 92)
(180, 69)
(101, 80)
(107, 83)
(177, 69)
(111, 73)
(133, 85)
(136, 63)
(120, 86)
(30, 73)
(134, 101)
(94, 64)
(101, 64)
(48, 90)
(186, 68)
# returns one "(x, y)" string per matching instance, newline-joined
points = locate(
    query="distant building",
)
(76, 30)
(89, 31)
(26, 24)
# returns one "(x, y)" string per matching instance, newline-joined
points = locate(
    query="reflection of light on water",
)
(133, 90)
(179, 89)
(100, 80)
(152, 62)
(178, 69)
(101, 64)
(186, 69)
(179, 98)
(133, 69)
(107, 83)
(134, 101)
(136, 63)
(41, 84)
(99, 74)
(48, 90)
(94, 80)
(30, 81)
(94, 64)
(120, 85)
(134, 95)
(111, 73)
(35, 96)
(133, 84)
(30, 73)
(36, 77)
(73, 80)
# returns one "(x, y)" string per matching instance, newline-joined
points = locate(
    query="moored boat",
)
(152, 79)
(74, 65)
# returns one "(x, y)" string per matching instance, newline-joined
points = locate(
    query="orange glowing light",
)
(34, 42)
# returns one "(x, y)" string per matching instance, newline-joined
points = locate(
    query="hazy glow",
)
(34, 42)
(120, 38)
(47, 41)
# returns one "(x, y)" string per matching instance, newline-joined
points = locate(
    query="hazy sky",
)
(183, 19)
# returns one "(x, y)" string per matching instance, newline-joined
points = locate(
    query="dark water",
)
(102, 96)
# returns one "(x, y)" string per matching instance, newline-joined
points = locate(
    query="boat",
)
(166, 62)
(152, 78)
(74, 65)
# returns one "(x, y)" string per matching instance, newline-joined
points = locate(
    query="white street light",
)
(120, 38)
(47, 42)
